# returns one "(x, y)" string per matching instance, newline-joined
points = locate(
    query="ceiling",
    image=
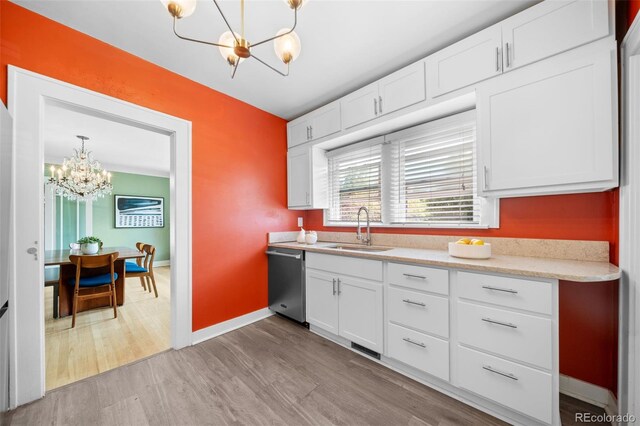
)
(117, 146)
(345, 44)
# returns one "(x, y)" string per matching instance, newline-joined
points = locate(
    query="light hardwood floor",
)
(99, 342)
(270, 372)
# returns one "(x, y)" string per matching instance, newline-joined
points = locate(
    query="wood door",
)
(360, 106)
(361, 309)
(298, 132)
(402, 88)
(552, 27)
(322, 301)
(550, 127)
(469, 61)
(299, 177)
(326, 121)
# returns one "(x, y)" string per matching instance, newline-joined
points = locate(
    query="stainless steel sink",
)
(354, 247)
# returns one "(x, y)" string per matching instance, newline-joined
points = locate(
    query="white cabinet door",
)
(361, 312)
(298, 132)
(402, 88)
(322, 301)
(299, 177)
(552, 27)
(360, 106)
(551, 127)
(326, 121)
(469, 61)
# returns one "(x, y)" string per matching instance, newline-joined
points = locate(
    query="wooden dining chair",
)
(143, 268)
(81, 283)
(130, 266)
(52, 279)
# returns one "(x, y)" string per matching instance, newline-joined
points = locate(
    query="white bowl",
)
(469, 251)
(311, 238)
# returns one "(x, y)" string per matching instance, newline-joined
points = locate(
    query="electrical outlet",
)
(300, 222)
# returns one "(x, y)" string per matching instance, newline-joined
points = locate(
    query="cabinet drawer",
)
(519, 336)
(535, 296)
(344, 265)
(419, 278)
(515, 386)
(420, 351)
(418, 310)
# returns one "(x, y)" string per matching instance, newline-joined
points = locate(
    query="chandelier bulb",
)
(287, 47)
(180, 8)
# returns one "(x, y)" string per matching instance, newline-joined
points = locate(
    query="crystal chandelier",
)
(233, 46)
(80, 177)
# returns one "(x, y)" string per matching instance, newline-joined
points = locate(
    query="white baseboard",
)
(157, 263)
(588, 392)
(229, 325)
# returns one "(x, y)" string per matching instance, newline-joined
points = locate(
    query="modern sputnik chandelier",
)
(234, 47)
(80, 177)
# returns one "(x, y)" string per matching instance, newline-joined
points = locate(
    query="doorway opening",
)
(138, 163)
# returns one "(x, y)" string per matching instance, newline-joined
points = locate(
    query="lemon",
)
(463, 241)
(477, 242)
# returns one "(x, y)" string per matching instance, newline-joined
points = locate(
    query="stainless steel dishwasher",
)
(287, 283)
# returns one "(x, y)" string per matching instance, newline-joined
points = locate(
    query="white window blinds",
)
(355, 180)
(433, 176)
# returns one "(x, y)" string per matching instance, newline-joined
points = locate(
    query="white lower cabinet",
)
(490, 339)
(347, 306)
(513, 385)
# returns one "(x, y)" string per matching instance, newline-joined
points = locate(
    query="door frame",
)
(629, 291)
(28, 95)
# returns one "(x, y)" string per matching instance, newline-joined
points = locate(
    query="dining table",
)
(68, 273)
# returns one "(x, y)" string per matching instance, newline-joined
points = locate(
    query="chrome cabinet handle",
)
(413, 342)
(420, 277)
(506, 324)
(334, 286)
(375, 106)
(413, 302)
(505, 290)
(310, 132)
(275, 253)
(508, 59)
(497, 59)
(339, 291)
(486, 183)
(307, 132)
(502, 373)
(380, 104)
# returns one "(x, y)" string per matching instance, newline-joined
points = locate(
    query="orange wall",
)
(239, 169)
(634, 7)
(588, 312)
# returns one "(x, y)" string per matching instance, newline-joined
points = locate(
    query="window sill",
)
(402, 225)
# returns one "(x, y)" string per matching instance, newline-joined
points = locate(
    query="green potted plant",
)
(90, 245)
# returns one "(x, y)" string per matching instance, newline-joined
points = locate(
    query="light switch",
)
(300, 224)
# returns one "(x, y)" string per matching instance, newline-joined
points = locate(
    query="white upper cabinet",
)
(326, 121)
(551, 127)
(552, 27)
(360, 106)
(298, 132)
(469, 61)
(402, 89)
(315, 125)
(399, 90)
(307, 178)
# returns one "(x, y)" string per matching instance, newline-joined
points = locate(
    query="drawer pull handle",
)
(506, 324)
(413, 342)
(413, 302)
(420, 277)
(506, 290)
(502, 373)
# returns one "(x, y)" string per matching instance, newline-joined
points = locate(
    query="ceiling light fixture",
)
(80, 177)
(234, 47)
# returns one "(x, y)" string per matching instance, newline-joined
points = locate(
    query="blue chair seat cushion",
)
(133, 267)
(94, 281)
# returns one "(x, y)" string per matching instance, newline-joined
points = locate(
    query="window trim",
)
(490, 207)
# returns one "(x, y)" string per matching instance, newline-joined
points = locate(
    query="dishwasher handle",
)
(275, 253)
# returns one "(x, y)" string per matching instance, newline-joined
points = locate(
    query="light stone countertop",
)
(568, 270)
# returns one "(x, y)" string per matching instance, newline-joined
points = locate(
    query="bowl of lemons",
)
(470, 248)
